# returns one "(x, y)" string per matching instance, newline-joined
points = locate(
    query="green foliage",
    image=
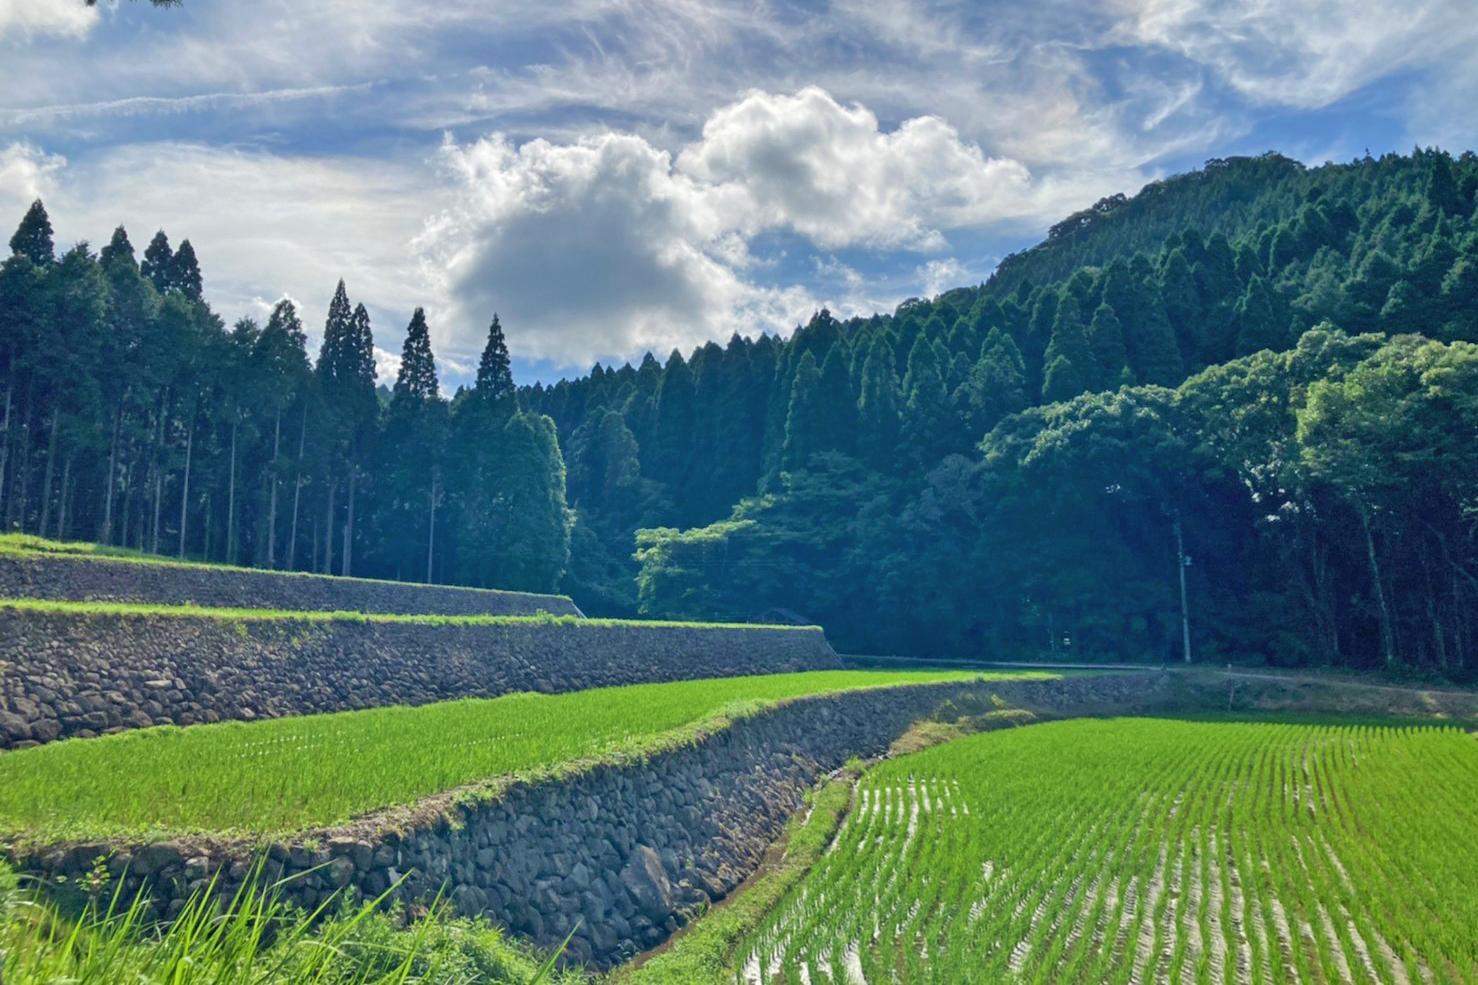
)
(33, 237)
(846, 458)
(1141, 849)
(290, 774)
(253, 938)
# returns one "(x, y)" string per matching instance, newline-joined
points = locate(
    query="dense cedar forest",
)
(1268, 366)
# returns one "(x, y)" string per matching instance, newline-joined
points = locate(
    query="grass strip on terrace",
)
(292, 774)
(31, 546)
(225, 613)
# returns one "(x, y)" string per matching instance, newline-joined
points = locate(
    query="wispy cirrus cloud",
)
(205, 102)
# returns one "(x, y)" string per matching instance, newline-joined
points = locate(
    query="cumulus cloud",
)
(594, 249)
(830, 173)
(609, 241)
(21, 20)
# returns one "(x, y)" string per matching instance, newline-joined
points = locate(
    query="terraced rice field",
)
(290, 774)
(1147, 851)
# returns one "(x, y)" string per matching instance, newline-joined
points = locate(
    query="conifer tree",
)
(926, 404)
(416, 383)
(997, 383)
(805, 421)
(1261, 323)
(1068, 367)
(1183, 305)
(33, 237)
(118, 251)
(1106, 341)
(673, 429)
(877, 405)
(1442, 188)
(184, 273)
(158, 264)
(494, 370)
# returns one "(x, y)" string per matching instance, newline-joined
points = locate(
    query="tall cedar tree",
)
(158, 265)
(33, 237)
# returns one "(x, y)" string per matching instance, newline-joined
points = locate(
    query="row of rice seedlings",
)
(1144, 851)
(292, 773)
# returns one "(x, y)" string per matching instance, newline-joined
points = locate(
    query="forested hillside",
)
(133, 416)
(1003, 469)
(1266, 365)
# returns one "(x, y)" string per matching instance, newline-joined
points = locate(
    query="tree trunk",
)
(231, 502)
(328, 531)
(47, 475)
(5, 444)
(1387, 635)
(431, 531)
(210, 525)
(1185, 612)
(349, 523)
(15, 509)
(105, 534)
(61, 517)
(185, 486)
(158, 477)
(292, 537)
(272, 498)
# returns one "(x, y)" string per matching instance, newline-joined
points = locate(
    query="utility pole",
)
(1182, 562)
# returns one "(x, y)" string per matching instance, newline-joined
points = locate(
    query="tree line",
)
(889, 476)
(1265, 368)
(133, 416)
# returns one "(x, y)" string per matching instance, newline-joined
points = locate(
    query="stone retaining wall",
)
(69, 674)
(629, 851)
(69, 578)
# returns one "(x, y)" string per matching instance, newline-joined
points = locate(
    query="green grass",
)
(29, 545)
(290, 774)
(1118, 850)
(141, 609)
(251, 939)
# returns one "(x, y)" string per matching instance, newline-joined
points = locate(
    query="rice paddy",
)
(292, 774)
(1146, 851)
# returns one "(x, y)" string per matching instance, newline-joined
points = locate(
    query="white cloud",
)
(387, 366)
(604, 247)
(595, 249)
(24, 19)
(828, 172)
(938, 276)
(26, 174)
(1305, 53)
(264, 225)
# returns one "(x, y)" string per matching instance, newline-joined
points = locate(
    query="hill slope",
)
(864, 501)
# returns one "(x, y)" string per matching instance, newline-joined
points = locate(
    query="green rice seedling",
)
(291, 774)
(1146, 850)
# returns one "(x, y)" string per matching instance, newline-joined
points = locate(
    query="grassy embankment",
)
(293, 774)
(253, 939)
(1125, 850)
(141, 609)
(29, 545)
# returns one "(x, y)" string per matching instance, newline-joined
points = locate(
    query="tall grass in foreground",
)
(288, 774)
(252, 939)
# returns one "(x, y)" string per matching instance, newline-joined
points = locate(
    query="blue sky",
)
(613, 176)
